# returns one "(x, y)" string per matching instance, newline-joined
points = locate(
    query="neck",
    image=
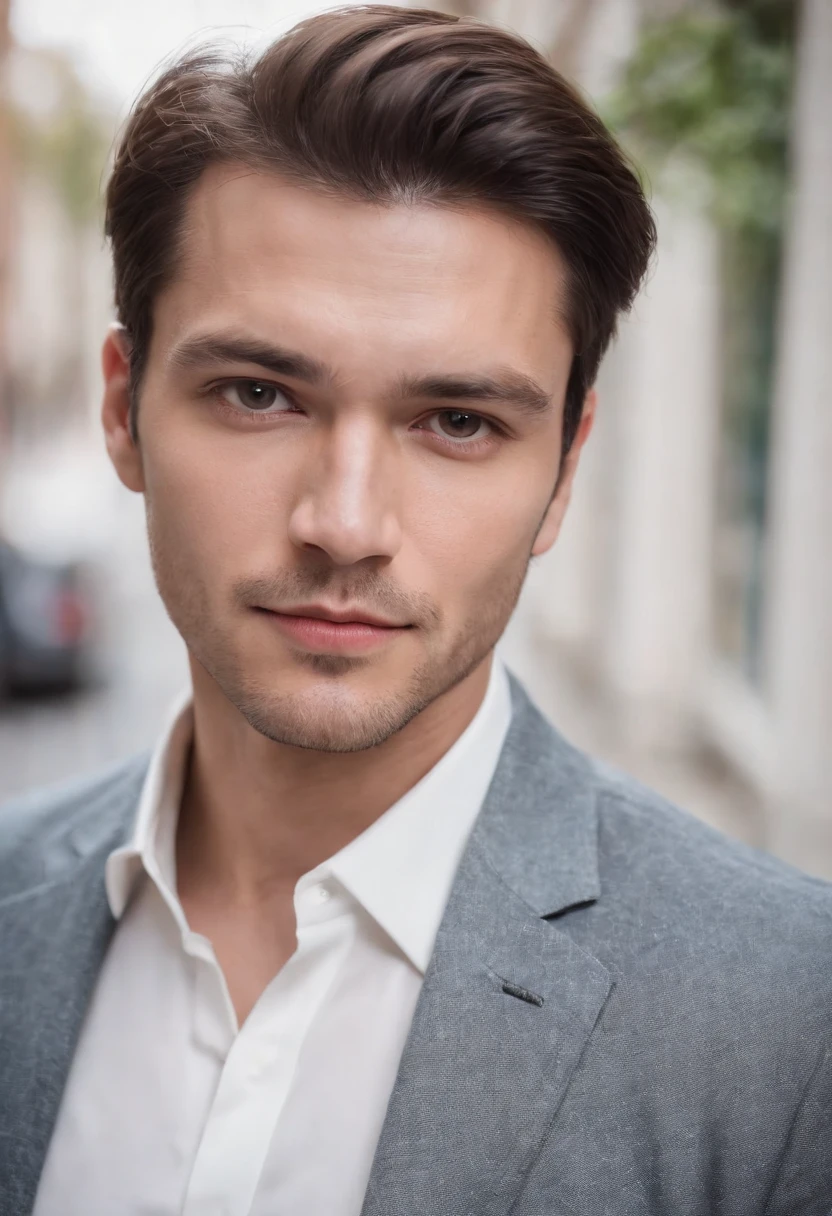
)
(257, 815)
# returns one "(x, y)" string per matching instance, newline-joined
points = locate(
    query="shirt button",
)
(319, 894)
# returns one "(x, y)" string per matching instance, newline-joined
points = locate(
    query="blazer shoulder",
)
(680, 898)
(660, 869)
(46, 829)
(653, 836)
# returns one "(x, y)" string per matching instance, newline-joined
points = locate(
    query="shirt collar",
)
(400, 869)
(151, 847)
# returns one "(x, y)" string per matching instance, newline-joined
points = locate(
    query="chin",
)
(335, 703)
(327, 719)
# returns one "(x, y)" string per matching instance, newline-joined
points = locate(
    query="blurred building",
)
(53, 142)
(5, 205)
(690, 596)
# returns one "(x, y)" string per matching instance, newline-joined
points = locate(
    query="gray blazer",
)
(625, 1013)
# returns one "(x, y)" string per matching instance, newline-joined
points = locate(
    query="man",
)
(365, 935)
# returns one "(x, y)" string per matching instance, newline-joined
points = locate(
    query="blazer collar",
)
(539, 824)
(56, 934)
(509, 1001)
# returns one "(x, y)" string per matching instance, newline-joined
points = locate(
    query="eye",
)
(459, 425)
(255, 397)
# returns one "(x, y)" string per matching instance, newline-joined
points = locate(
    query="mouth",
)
(325, 630)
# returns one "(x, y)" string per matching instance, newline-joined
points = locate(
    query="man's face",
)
(349, 439)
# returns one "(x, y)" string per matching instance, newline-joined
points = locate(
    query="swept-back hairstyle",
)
(388, 105)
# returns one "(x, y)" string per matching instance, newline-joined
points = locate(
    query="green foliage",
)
(711, 89)
(69, 146)
(77, 151)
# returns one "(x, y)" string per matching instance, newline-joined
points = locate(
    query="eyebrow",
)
(228, 348)
(503, 385)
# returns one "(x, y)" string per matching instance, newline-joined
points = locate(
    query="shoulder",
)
(43, 831)
(721, 961)
(706, 939)
(685, 876)
(683, 914)
(662, 873)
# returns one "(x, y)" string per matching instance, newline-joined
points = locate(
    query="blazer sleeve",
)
(804, 1179)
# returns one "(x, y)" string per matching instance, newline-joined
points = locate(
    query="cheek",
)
(480, 534)
(217, 501)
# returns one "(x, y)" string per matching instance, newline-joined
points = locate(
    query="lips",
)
(326, 631)
(344, 616)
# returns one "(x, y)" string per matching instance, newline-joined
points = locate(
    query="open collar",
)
(483, 1072)
(151, 845)
(402, 867)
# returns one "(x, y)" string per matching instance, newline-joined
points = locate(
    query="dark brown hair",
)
(389, 105)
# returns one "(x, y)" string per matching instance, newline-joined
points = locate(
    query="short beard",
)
(288, 721)
(329, 719)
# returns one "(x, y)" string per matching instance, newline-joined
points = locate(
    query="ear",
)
(115, 410)
(553, 519)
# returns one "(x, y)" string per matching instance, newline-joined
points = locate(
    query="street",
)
(139, 660)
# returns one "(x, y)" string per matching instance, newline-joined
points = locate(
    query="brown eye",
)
(458, 424)
(256, 397)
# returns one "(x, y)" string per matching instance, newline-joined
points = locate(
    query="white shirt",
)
(170, 1108)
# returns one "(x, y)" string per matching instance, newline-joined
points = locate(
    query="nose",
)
(349, 508)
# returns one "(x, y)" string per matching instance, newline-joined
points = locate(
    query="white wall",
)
(800, 588)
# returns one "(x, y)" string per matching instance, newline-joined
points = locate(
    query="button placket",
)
(214, 1022)
(257, 1076)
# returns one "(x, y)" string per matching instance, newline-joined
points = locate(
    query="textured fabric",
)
(170, 1108)
(625, 1014)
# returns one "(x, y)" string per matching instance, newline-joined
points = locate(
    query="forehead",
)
(259, 252)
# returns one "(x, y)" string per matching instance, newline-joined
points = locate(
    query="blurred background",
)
(683, 626)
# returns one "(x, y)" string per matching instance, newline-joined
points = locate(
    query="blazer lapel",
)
(509, 1001)
(54, 936)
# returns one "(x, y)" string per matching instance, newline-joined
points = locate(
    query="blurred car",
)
(45, 619)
